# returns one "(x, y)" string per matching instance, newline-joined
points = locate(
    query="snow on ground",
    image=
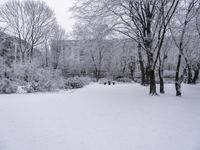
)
(98, 117)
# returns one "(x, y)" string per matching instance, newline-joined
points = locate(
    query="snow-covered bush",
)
(37, 79)
(124, 80)
(77, 82)
(86, 80)
(7, 86)
(73, 83)
(103, 80)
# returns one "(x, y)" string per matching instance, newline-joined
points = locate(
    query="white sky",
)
(61, 8)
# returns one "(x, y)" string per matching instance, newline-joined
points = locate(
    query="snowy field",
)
(98, 117)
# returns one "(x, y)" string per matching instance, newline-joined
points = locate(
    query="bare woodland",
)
(147, 41)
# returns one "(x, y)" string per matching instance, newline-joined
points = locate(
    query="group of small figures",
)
(109, 83)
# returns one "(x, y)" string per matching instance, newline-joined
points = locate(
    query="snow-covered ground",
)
(98, 117)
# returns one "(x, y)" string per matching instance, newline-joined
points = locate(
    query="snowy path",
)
(98, 117)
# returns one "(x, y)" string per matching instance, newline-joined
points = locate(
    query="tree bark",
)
(196, 76)
(162, 91)
(23, 57)
(177, 82)
(143, 79)
(148, 45)
(132, 74)
(151, 74)
(160, 73)
(46, 59)
(152, 82)
(46, 55)
(189, 80)
(31, 53)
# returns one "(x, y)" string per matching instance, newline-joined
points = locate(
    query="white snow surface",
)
(99, 117)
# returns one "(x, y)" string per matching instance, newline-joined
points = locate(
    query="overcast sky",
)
(61, 8)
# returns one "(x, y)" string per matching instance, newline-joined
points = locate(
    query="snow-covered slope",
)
(98, 117)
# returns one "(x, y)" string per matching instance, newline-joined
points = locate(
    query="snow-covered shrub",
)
(73, 83)
(86, 80)
(7, 86)
(77, 82)
(103, 81)
(124, 80)
(34, 78)
(21, 89)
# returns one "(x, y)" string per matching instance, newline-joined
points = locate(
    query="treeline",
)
(149, 23)
(133, 39)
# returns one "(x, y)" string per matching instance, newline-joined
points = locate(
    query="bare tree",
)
(127, 60)
(13, 17)
(162, 59)
(197, 19)
(57, 45)
(41, 22)
(181, 38)
(30, 21)
(196, 64)
(94, 34)
(144, 21)
(99, 48)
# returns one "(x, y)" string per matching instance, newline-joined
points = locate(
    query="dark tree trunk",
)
(177, 81)
(132, 74)
(196, 76)
(46, 56)
(123, 70)
(189, 80)
(143, 79)
(152, 82)
(97, 74)
(160, 73)
(23, 57)
(151, 74)
(147, 76)
(162, 91)
(31, 53)
(46, 61)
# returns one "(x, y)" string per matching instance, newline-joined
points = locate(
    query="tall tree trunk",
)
(177, 82)
(151, 74)
(23, 57)
(162, 91)
(160, 73)
(31, 53)
(152, 82)
(148, 45)
(189, 79)
(132, 74)
(96, 73)
(123, 70)
(46, 60)
(46, 55)
(143, 79)
(196, 76)
(147, 76)
(99, 74)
